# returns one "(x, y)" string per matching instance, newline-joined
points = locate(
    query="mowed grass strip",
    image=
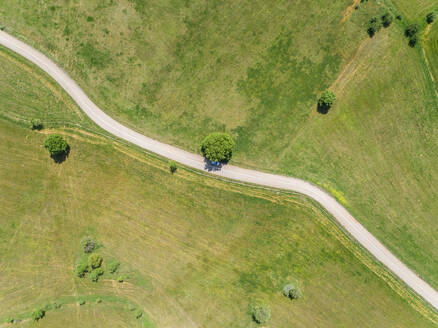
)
(190, 240)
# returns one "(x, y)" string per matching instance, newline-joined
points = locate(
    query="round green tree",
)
(261, 313)
(218, 147)
(326, 101)
(292, 291)
(56, 145)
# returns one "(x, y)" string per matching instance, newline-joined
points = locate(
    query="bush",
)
(95, 274)
(81, 267)
(81, 302)
(138, 314)
(292, 291)
(218, 147)
(411, 30)
(413, 41)
(261, 314)
(36, 124)
(430, 17)
(38, 314)
(173, 167)
(326, 101)
(113, 266)
(386, 20)
(398, 17)
(10, 320)
(57, 305)
(95, 261)
(88, 244)
(120, 279)
(56, 145)
(373, 26)
(99, 300)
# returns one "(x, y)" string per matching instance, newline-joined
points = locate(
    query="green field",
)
(182, 240)
(177, 70)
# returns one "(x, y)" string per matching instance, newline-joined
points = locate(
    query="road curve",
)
(354, 228)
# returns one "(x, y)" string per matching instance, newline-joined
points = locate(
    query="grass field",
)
(177, 70)
(182, 240)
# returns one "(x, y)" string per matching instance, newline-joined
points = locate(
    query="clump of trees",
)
(375, 24)
(292, 291)
(95, 261)
(411, 32)
(218, 147)
(38, 314)
(387, 20)
(57, 147)
(326, 101)
(430, 17)
(261, 313)
(95, 274)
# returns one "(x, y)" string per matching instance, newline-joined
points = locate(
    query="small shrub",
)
(138, 314)
(413, 41)
(10, 320)
(81, 302)
(38, 314)
(99, 300)
(88, 244)
(398, 17)
(57, 305)
(113, 266)
(173, 167)
(386, 20)
(95, 274)
(261, 314)
(218, 147)
(90, 19)
(36, 124)
(411, 30)
(120, 279)
(131, 307)
(326, 101)
(292, 291)
(95, 261)
(56, 145)
(373, 26)
(81, 267)
(430, 17)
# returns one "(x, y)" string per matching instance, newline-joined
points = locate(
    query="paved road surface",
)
(354, 228)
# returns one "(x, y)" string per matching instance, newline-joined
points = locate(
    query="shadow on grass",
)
(322, 109)
(59, 158)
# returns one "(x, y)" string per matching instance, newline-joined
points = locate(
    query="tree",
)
(218, 147)
(430, 17)
(373, 26)
(95, 261)
(172, 167)
(292, 291)
(261, 313)
(411, 30)
(56, 145)
(35, 124)
(95, 274)
(326, 101)
(413, 41)
(386, 20)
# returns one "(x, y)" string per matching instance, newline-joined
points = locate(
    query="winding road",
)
(354, 228)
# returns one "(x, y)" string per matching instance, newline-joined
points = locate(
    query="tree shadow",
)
(322, 109)
(210, 167)
(58, 159)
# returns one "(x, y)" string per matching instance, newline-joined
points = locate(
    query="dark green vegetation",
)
(173, 167)
(56, 145)
(292, 291)
(173, 244)
(430, 17)
(218, 147)
(261, 313)
(326, 101)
